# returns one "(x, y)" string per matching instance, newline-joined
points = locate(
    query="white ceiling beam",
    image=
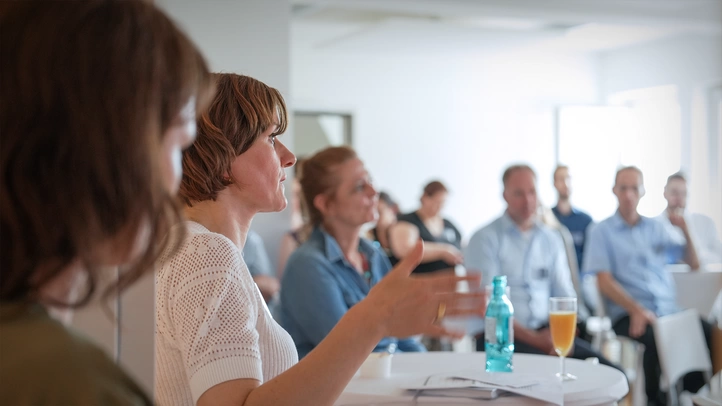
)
(698, 15)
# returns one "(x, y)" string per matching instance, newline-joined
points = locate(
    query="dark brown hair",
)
(318, 177)
(242, 110)
(88, 92)
(510, 171)
(434, 187)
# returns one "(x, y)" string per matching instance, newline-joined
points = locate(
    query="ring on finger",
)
(440, 312)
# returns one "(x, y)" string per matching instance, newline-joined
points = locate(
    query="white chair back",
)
(697, 290)
(629, 353)
(681, 347)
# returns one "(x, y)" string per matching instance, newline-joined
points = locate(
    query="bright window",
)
(640, 127)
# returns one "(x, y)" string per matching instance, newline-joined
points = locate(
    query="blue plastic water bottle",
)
(499, 329)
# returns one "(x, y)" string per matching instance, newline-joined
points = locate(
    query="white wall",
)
(457, 118)
(693, 64)
(687, 61)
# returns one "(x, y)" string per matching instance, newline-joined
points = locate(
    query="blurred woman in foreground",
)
(98, 100)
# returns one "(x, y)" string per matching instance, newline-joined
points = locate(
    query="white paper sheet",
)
(526, 385)
(513, 379)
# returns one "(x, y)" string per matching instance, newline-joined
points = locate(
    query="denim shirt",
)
(636, 257)
(319, 286)
(536, 266)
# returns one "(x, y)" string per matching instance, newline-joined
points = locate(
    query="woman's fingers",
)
(437, 330)
(448, 281)
(464, 304)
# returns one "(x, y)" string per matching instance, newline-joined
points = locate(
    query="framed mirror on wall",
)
(316, 130)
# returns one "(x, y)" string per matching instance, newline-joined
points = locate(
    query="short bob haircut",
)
(89, 88)
(242, 110)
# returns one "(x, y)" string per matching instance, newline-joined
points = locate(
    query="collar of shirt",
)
(509, 226)
(333, 251)
(617, 221)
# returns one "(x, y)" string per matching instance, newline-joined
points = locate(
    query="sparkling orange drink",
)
(563, 325)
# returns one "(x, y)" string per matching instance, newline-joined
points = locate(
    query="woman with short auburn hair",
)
(216, 342)
(98, 99)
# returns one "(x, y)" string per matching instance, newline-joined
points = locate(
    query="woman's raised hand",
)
(406, 305)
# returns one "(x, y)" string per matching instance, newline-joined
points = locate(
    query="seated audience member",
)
(300, 228)
(259, 266)
(532, 257)
(575, 220)
(701, 227)
(627, 253)
(99, 98)
(388, 213)
(442, 240)
(216, 344)
(335, 268)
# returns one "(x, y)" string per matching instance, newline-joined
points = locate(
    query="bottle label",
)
(490, 330)
(511, 329)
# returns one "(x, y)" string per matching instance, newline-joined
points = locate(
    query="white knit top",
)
(212, 324)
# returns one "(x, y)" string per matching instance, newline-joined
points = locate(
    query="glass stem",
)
(563, 373)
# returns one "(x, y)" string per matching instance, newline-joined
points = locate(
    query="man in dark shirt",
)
(575, 220)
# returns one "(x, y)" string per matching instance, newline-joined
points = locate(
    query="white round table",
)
(596, 384)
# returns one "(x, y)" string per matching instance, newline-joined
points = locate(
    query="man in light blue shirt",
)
(532, 257)
(627, 252)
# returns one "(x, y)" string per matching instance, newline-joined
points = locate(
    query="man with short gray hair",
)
(701, 227)
(532, 257)
(627, 252)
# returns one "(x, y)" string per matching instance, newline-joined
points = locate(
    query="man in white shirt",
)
(701, 227)
(533, 258)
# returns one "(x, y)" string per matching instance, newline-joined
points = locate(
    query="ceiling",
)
(491, 25)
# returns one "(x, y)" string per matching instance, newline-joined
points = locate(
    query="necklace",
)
(365, 268)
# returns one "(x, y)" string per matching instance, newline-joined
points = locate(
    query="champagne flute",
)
(563, 326)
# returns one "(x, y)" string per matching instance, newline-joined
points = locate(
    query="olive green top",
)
(42, 362)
